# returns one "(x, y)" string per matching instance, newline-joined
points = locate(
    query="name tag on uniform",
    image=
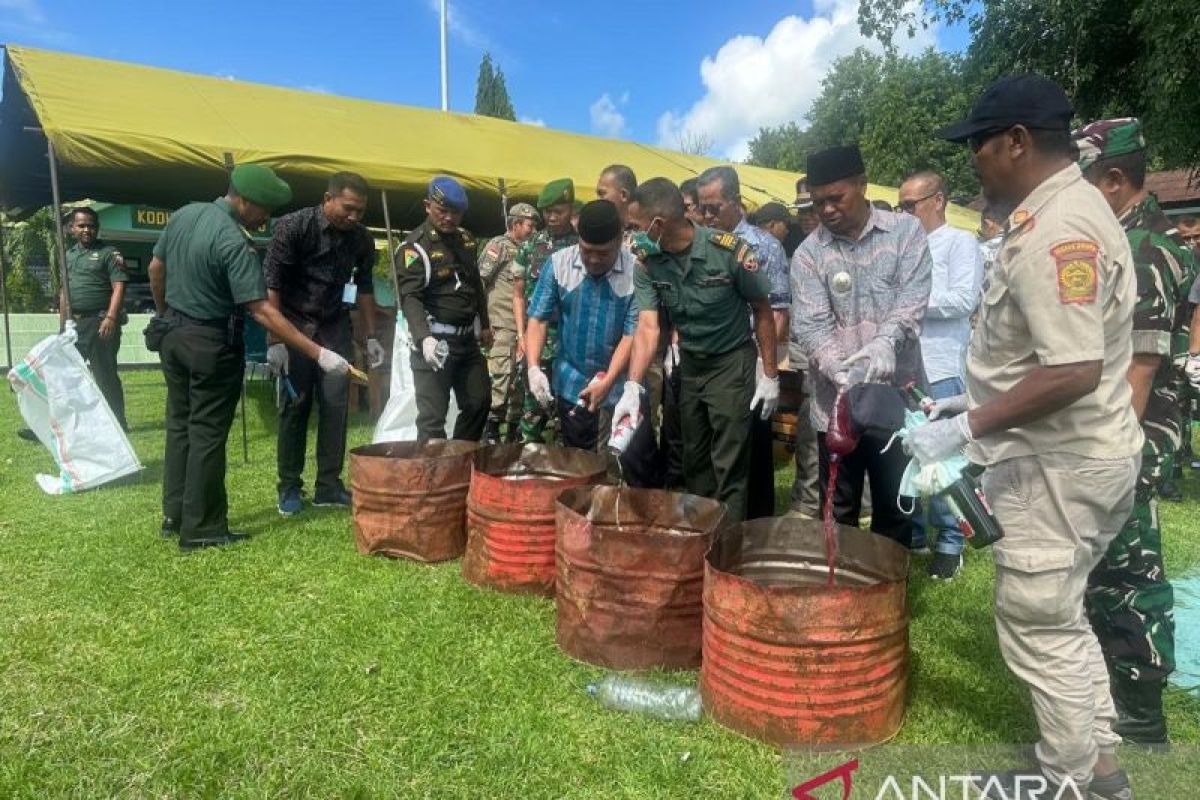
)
(350, 293)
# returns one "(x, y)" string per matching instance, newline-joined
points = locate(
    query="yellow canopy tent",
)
(142, 134)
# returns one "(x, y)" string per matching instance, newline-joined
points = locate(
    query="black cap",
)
(1029, 100)
(772, 212)
(599, 222)
(835, 164)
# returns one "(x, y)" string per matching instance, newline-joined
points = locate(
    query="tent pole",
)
(387, 227)
(4, 298)
(64, 304)
(503, 201)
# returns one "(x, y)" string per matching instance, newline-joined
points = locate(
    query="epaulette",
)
(725, 241)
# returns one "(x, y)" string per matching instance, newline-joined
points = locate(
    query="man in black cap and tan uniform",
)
(1048, 411)
(860, 284)
(442, 297)
(204, 273)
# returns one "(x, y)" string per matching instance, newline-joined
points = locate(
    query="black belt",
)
(180, 318)
(711, 356)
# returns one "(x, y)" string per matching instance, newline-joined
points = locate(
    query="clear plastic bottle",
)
(625, 693)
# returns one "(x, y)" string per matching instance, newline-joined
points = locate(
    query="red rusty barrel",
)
(409, 498)
(630, 578)
(510, 513)
(792, 661)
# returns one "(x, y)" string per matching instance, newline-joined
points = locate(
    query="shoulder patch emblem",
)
(745, 256)
(1077, 271)
(493, 250)
(410, 257)
(725, 240)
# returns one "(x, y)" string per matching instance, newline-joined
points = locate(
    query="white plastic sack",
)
(398, 422)
(61, 403)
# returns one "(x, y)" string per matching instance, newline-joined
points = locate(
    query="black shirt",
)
(309, 262)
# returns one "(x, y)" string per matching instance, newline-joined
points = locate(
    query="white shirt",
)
(953, 297)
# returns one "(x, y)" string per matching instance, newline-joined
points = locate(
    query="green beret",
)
(1108, 137)
(260, 185)
(555, 192)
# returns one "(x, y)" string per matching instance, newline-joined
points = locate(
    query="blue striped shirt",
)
(592, 314)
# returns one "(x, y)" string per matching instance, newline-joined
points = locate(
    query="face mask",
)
(643, 245)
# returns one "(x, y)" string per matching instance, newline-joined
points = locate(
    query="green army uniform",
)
(442, 301)
(704, 293)
(91, 273)
(531, 257)
(495, 270)
(1130, 602)
(211, 270)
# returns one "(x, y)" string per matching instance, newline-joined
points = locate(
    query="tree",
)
(695, 143)
(26, 244)
(491, 92)
(1113, 57)
(891, 106)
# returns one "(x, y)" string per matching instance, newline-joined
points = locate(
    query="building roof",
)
(1177, 186)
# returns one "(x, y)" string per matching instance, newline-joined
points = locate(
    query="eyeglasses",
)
(710, 209)
(908, 206)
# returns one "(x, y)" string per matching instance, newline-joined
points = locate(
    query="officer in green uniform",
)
(204, 273)
(96, 278)
(1129, 599)
(441, 295)
(557, 205)
(704, 280)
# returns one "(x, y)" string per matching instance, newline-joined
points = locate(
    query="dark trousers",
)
(641, 464)
(884, 470)
(671, 435)
(465, 373)
(760, 489)
(332, 393)
(203, 371)
(714, 410)
(101, 355)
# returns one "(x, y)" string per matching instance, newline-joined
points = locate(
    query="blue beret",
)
(448, 192)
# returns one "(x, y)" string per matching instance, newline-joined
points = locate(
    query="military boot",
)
(1140, 718)
(491, 433)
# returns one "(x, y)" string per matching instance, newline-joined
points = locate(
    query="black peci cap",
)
(599, 222)
(1029, 100)
(834, 164)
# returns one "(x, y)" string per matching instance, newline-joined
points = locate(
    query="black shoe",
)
(170, 527)
(27, 434)
(1140, 718)
(945, 566)
(1111, 787)
(1023, 784)
(336, 498)
(188, 545)
(1167, 490)
(491, 434)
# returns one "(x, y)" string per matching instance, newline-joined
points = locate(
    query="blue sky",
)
(650, 71)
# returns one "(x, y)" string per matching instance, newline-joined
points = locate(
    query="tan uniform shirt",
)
(1062, 291)
(495, 269)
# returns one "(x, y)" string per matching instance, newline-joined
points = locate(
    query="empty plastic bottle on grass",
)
(624, 693)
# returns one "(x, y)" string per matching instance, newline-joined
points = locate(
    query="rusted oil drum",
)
(792, 661)
(630, 580)
(510, 513)
(409, 499)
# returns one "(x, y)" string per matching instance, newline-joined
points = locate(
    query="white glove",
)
(430, 354)
(880, 355)
(277, 357)
(331, 362)
(929, 444)
(766, 391)
(1192, 370)
(671, 359)
(376, 355)
(539, 385)
(948, 407)
(630, 405)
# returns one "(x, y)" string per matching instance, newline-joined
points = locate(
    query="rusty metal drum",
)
(409, 499)
(510, 513)
(794, 662)
(630, 575)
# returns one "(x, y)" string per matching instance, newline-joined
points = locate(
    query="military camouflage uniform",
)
(495, 269)
(528, 265)
(1129, 599)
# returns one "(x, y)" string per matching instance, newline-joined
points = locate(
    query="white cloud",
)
(461, 25)
(29, 11)
(607, 119)
(537, 122)
(754, 82)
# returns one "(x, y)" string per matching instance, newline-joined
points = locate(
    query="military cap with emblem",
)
(449, 192)
(524, 211)
(835, 164)
(260, 185)
(557, 191)
(1106, 138)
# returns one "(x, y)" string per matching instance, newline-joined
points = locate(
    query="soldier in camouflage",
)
(495, 269)
(1129, 599)
(556, 204)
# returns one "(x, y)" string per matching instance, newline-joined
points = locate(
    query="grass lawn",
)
(292, 666)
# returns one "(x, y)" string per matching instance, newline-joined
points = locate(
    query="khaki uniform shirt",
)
(495, 270)
(1062, 291)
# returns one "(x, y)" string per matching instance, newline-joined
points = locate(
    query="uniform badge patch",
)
(1022, 219)
(725, 240)
(1077, 273)
(493, 250)
(410, 258)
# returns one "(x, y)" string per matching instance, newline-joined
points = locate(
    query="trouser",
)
(464, 373)
(101, 355)
(332, 395)
(640, 464)
(714, 410)
(670, 437)
(760, 487)
(1059, 512)
(1130, 602)
(883, 470)
(203, 369)
(940, 519)
(805, 494)
(506, 401)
